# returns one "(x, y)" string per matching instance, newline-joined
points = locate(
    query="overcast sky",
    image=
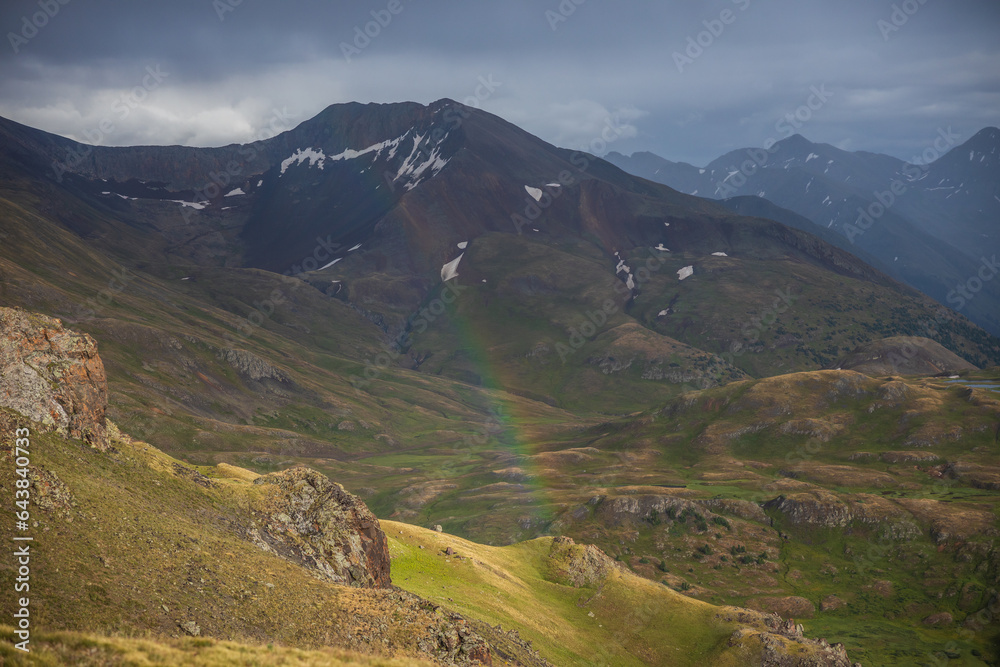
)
(211, 72)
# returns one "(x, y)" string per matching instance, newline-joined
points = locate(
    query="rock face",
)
(53, 376)
(579, 564)
(305, 517)
(252, 366)
(780, 643)
(903, 355)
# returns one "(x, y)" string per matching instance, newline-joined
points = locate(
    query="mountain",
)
(930, 223)
(468, 327)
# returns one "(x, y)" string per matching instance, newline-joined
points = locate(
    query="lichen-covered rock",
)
(780, 643)
(252, 366)
(49, 492)
(578, 564)
(819, 507)
(303, 516)
(53, 376)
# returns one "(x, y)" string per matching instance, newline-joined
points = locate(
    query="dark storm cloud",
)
(686, 80)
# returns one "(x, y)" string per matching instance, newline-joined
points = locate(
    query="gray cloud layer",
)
(686, 80)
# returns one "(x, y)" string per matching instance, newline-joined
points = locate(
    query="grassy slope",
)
(140, 543)
(145, 547)
(741, 451)
(53, 649)
(625, 619)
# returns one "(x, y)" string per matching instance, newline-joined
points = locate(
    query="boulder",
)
(53, 376)
(578, 564)
(304, 517)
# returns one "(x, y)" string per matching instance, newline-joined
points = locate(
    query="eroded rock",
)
(305, 517)
(53, 376)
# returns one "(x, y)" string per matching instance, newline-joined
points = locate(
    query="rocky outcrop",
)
(819, 507)
(655, 509)
(578, 564)
(252, 366)
(304, 517)
(780, 643)
(53, 376)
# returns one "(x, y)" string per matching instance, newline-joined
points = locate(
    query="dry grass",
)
(90, 650)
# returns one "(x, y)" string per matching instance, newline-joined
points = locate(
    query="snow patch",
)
(463, 245)
(192, 204)
(535, 193)
(354, 248)
(719, 254)
(662, 313)
(812, 156)
(316, 158)
(450, 270)
(414, 170)
(622, 266)
(685, 272)
(327, 266)
(235, 193)
(662, 248)
(260, 182)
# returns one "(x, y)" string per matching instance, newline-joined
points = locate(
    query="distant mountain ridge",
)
(931, 224)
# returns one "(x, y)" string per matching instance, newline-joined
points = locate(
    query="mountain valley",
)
(562, 395)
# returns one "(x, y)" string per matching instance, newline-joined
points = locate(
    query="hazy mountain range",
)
(931, 222)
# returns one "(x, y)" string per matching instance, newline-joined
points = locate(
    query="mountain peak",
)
(796, 142)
